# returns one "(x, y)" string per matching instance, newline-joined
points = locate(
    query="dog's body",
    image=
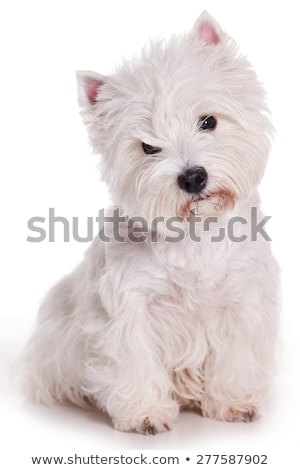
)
(143, 327)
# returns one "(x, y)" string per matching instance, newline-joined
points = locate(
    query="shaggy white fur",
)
(141, 329)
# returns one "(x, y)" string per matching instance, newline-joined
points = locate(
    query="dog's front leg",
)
(240, 360)
(133, 384)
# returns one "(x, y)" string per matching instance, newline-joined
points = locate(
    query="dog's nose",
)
(193, 180)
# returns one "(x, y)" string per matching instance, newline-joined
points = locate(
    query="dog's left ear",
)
(208, 30)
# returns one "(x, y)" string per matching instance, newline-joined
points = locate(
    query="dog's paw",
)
(147, 425)
(230, 413)
(153, 425)
(246, 415)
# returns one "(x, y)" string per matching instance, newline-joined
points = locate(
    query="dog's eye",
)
(207, 123)
(149, 150)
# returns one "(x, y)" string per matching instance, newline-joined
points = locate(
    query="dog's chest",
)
(191, 264)
(195, 276)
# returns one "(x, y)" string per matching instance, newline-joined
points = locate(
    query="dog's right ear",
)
(89, 84)
(208, 30)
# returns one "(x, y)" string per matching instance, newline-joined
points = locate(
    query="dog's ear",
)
(207, 29)
(89, 84)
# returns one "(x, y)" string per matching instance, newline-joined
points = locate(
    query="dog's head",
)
(185, 126)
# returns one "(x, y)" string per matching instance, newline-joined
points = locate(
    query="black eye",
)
(149, 150)
(207, 123)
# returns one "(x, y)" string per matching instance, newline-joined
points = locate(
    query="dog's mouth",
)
(207, 204)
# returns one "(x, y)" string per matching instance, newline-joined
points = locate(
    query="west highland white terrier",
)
(149, 322)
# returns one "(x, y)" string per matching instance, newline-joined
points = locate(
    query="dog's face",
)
(183, 127)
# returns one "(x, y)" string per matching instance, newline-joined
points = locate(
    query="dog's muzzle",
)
(193, 180)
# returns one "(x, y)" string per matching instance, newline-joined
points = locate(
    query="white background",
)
(46, 162)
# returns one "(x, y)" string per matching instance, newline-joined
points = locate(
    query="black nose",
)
(193, 180)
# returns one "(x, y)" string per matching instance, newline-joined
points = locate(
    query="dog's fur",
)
(143, 329)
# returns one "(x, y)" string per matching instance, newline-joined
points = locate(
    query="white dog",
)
(148, 324)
